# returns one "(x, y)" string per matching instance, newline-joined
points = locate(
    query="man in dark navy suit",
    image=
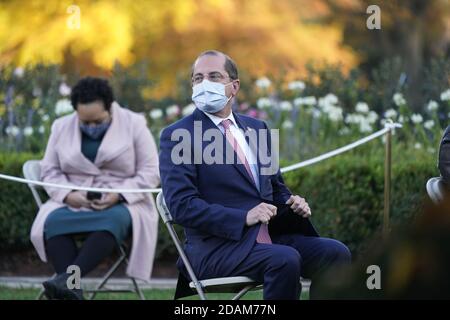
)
(239, 217)
(444, 157)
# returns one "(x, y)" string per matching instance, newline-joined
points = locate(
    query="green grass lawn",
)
(151, 294)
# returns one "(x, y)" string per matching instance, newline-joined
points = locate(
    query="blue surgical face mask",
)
(95, 131)
(210, 96)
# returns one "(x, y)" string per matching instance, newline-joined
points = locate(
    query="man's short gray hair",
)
(230, 65)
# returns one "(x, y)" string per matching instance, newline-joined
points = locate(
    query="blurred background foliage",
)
(265, 37)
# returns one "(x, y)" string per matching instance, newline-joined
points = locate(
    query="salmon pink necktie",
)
(263, 234)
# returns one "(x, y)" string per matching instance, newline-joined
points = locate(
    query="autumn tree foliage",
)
(265, 37)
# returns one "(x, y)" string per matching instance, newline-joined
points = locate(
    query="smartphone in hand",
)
(94, 195)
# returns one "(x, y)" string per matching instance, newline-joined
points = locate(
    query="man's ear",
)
(236, 84)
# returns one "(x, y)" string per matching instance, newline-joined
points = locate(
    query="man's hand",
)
(299, 206)
(77, 199)
(263, 212)
(108, 200)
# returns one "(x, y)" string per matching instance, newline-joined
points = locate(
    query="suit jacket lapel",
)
(208, 124)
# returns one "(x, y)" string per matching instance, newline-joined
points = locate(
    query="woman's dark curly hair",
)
(90, 89)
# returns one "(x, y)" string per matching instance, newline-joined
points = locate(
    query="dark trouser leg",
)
(97, 246)
(61, 252)
(318, 254)
(277, 266)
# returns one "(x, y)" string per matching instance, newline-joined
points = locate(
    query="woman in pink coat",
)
(106, 146)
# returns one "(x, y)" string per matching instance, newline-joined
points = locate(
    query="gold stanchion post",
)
(387, 184)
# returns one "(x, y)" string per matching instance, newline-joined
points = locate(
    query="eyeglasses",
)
(212, 76)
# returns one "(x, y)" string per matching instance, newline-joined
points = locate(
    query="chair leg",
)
(40, 295)
(137, 289)
(241, 293)
(200, 291)
(107, 276)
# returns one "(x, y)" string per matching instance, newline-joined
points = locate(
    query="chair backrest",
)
(168, 221)
(32, 171)
(162, 209)
(436, 189)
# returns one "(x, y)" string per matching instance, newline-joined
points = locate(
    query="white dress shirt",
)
(240, 138)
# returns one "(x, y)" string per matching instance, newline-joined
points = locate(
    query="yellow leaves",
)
(183, 15)
(106, 31)
(41, 34)
(147, 93)
(35, 103)
(265, 37)
(18, 100)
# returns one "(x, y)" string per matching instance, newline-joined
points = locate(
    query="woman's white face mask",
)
(210, 96)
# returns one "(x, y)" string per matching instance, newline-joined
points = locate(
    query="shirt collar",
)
(217, 120)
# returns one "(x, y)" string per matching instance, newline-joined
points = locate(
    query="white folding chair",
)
(238, 285)
(31, 171)
(436, 189)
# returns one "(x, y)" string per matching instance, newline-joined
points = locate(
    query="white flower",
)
(156, 114)
(416, 118)
(418, 146)
(287, 124)
(12, 130)
(362, 107)
(19, 72)
(432, 106)
(316, 113)
(286, 106)
(365, 126)
(296, 85)
(445, 96)
(328, 106)
(307, 101)
(372, 117)
(335, 113)
(344, 131)
(41, 129)
(398, 98)
(45, 117)
(263, 103)
(329, 99)
(428, 124)
(173, 110)
(354, 118)
(263, 83)
(28, 131)
(64, 89)
(401, 119)
(63, 106)
(298, 102)
(188, 109)
(390, 114)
